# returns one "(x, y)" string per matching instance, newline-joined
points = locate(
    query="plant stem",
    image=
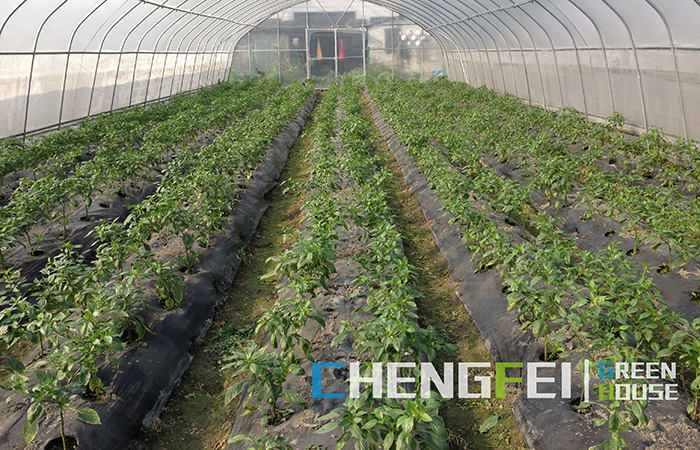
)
(29, 241)
(65, 220)
(63, 431)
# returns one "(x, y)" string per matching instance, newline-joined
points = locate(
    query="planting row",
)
(81, 311)
(347, 190)
(114, 167)
(597, 300)
(642, 183)
(104, 131)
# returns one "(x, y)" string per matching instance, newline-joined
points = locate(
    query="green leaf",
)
(490, 423)
(233, 392)
(330, 426)
(14, 365)
(29, 430)
(677, 338)
(330, 416)
(539, 328)
(293, 397)
(34, 411)
(615, 422)
(89, 415)
(389, 440)
(238, 438)
(343, 440)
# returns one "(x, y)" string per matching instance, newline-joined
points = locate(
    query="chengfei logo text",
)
(618, 381)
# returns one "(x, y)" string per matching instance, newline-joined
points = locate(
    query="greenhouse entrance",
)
(333, 52)
(323, 40)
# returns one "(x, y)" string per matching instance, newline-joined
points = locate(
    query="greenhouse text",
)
(541, 380)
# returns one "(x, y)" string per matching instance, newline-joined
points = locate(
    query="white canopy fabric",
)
(61, 60)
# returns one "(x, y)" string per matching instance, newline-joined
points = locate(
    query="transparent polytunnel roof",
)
(552, 52)
(198, 25)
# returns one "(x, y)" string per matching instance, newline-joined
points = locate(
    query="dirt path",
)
(440, 307)
(195, 417)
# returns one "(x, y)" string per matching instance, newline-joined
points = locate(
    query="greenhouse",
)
(343, 224)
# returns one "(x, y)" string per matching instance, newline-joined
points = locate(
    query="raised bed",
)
(149, 370)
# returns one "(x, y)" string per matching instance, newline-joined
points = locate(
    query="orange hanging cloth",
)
(319, 53)
(342, 53)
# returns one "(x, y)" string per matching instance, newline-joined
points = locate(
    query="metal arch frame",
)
(453, 34)
(510, 49)
(233, 5)
(554, 52)
(205, 27)
(196, 13)
(101, 49)
(483, 13)
(675, 64)
(459, 55)
(605, 51)
(227, 61)
(451, 60)
(136, 56)
(224, 37)
(522, 54)
(168, 53)
(578, 60)
(235, 39)
(207, 34)
(422, 20)
(9, 16)
(457, 49)
(464, 34)
(179, 47)
(177, 52)
(486, 50)
(214, 34)
(636, 61)
(221, 36)
(197, 51)
(207, 18)
(401, 9)
(70, 47)
(31, 67)
(153, 55)
(534, 50)
(203, 21)
(155, 51)
(486, 17)
(422, 17)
